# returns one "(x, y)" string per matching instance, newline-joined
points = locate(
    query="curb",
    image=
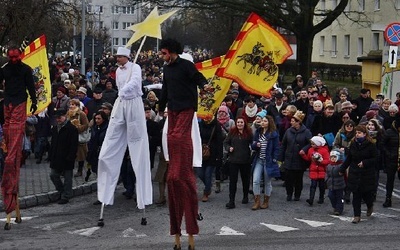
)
(52, 196)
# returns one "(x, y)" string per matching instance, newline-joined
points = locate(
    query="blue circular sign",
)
(392, 33)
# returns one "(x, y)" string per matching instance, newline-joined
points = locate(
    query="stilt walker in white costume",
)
(127, 127)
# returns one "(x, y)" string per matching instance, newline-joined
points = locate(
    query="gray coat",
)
(334, 181)
(293, 141)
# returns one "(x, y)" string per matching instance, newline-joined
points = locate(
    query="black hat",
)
(279, 95)
(60, 112)
(97, 90)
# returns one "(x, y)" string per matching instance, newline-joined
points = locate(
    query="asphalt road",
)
(285, 225)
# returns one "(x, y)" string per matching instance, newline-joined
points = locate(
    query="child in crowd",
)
(335, 182)
(318, 155)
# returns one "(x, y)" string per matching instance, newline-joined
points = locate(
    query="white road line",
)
(85, 232)
(279, 228)
(130, 232)
(315, 223)
(383, 188)
(22, 218)
(50, 226)
(345, 218)
(228, 231)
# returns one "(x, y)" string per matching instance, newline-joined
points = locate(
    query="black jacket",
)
(391, 148)
(64, 146)
(361, 179)
(216, 148)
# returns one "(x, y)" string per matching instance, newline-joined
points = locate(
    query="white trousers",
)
(127, 127)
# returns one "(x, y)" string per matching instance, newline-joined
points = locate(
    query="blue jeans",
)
(257, 172)
(336, 198)
(205, 175)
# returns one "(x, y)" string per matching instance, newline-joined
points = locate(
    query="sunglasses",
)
(349, 125)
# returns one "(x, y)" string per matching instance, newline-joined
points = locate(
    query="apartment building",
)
(344, 40)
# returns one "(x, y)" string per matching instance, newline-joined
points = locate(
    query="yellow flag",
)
(35, 56)
(209, 102)
(253, 58)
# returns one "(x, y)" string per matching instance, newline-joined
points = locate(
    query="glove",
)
(33, 108)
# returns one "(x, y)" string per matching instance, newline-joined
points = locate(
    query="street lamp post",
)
(83, 70)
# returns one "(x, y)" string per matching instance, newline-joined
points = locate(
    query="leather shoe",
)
(97, 202)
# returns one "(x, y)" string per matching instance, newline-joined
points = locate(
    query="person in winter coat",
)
(211, 134)
(63, 148)
(98, 133)
(237, 143)
(335, 182)
(361, 162)
(266, 145)
(391, 154)
(318, 155)
(295, 138)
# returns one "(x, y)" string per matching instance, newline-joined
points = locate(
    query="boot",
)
(245, 199)
(388, 202)
(88, 173)
(265, 203)
(356, 219)
(205, 196)
(312, 195)
(217, 187)
(256, 205)
(370, 210)
(321, 198)
(231, 203)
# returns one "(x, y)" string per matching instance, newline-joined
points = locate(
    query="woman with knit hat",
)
(266, 145)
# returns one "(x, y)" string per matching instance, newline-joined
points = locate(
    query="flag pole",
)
(140, 48)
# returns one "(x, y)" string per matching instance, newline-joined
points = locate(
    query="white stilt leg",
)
(100, 223)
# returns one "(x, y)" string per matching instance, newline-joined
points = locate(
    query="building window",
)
(126, 25)
(334, 46)
(321, 45)
(377, 4)
(115, 9)
(346, 45)
(360, 46)
(116, 41)
(115, 25)
(96, 9)
(397, 4)
(125, 41)
(375, 41)
(361, 5)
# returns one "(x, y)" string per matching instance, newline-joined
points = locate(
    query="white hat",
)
(82, 89)
(71, 71)
(318, 140)
(122, 51)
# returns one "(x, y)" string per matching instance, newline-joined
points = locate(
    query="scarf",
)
(251, 112)
(360, 140)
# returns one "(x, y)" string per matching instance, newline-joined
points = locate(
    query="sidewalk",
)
(36, 188)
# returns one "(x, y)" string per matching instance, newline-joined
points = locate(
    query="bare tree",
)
(300, 17)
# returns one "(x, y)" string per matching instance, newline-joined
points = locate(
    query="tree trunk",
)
(304, 51)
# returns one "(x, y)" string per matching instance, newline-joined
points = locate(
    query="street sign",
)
(393, 56)
(392, 33)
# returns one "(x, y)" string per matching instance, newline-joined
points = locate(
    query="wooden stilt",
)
(17, 212)
(191, 242)
(177, 242)
(100, 223)
(7, 226)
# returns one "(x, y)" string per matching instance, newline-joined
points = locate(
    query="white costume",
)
(127, 126)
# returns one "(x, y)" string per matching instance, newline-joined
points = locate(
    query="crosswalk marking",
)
(229, 231)
(315, 223)
(22, 218)
(279, 228)
(85, 232)
(130, 232)
(48, 227)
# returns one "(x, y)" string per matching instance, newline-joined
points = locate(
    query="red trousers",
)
(181, 179)
(13, 131)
